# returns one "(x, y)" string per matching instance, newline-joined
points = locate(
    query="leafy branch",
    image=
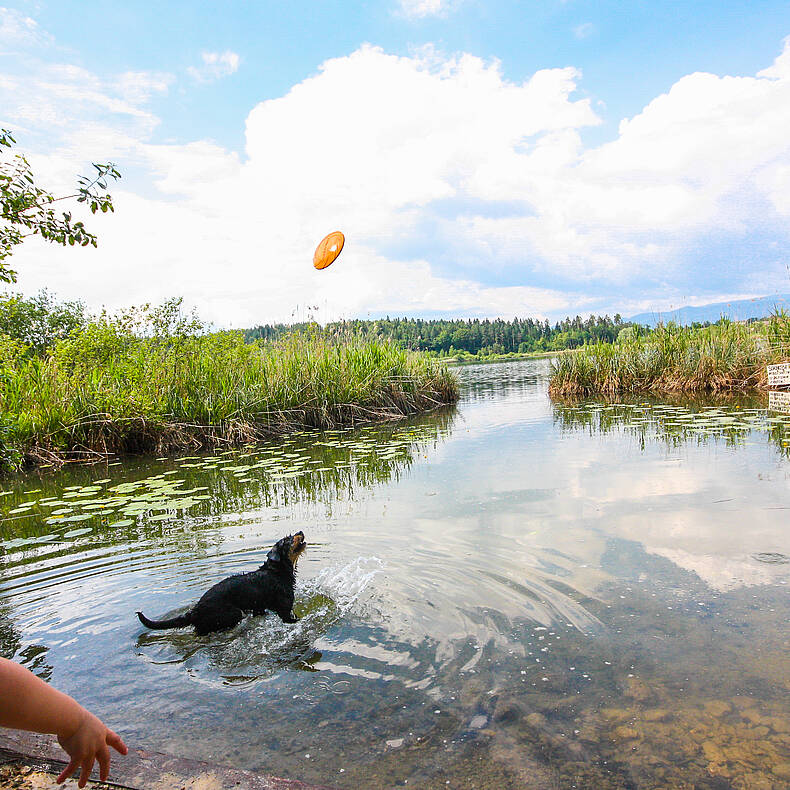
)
(25, 209)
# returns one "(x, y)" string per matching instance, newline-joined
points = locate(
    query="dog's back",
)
(222, 606)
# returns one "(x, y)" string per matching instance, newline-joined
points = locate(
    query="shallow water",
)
(511, 594)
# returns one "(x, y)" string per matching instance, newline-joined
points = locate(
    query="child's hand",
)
(87, 743)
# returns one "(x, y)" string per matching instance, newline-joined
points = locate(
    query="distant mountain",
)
(739, 310)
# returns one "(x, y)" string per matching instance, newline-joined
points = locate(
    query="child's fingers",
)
(67, 771)
(103, 756)
(114, 740)
(85, 774)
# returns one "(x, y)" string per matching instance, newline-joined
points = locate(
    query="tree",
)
(38, 322)
(25, 209)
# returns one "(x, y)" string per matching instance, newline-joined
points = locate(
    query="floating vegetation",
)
(675, 424)
(305, 467)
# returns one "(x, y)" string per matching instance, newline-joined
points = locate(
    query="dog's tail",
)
(181, 621)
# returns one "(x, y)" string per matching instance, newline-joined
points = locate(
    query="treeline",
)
(472, 336)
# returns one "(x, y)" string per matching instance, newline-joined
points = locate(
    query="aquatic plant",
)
(723, 357)
(677, 420)
(112, 388)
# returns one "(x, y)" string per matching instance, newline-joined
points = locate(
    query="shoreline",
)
(130, 396)
(747, 386)
(173, 440)
(495, 358)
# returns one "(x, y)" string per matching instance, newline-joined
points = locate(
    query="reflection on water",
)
(515, 594)
(735, 422)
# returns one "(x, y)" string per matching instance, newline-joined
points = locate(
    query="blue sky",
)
(483, 158)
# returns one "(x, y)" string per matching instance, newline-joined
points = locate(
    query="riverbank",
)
(725, 357)
(108, 391)
(488, 359)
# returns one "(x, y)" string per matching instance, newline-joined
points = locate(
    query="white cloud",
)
(138, 87)
(215, 66)
(18, 31)
(418, 9)
(446, 178)
(584, 30)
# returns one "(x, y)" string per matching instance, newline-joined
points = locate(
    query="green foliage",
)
(39, 321)
(627, 334)
(720, 357)
(25, 209)
(152, 379)
(473, 336)
(11, 352)
(778, 332)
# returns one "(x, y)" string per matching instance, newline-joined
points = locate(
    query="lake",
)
(511, 593)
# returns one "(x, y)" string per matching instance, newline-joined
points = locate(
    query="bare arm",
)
(28, 703)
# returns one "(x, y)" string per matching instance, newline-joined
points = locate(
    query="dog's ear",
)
(279, 552)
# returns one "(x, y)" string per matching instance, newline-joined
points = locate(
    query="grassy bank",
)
(718, 358)
(108, 389)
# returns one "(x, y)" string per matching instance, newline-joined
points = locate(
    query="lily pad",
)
(15, 543)
(72, 533)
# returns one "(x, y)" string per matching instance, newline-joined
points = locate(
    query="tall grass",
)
(108, 390)
(723, 357)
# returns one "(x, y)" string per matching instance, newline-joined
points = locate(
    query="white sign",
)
(778, 400)
(779, 375)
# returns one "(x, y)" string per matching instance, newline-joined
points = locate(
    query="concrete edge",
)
(143, 770)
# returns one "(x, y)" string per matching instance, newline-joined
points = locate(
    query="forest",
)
(474, 336)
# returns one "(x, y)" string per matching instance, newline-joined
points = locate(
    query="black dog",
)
(223, 606)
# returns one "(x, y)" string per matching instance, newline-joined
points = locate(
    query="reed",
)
(107, 390)
(723, 357)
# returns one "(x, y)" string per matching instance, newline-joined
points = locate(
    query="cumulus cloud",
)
(215, 66)
(458, 190)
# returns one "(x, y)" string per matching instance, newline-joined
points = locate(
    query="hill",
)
(739, 310)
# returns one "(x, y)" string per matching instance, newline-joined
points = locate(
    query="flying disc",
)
(328, 249)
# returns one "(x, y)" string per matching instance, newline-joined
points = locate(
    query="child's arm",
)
(28, 703)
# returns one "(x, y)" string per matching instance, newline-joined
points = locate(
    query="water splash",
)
(346, 585)
(261, 647)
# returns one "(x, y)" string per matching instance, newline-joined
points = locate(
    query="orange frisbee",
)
(328, 249)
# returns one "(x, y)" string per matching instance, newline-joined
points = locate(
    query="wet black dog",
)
(271, 587)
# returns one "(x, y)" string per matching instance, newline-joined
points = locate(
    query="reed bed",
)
(725, 357)
(108, 391)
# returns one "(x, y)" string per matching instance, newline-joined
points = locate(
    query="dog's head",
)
(288, 549)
